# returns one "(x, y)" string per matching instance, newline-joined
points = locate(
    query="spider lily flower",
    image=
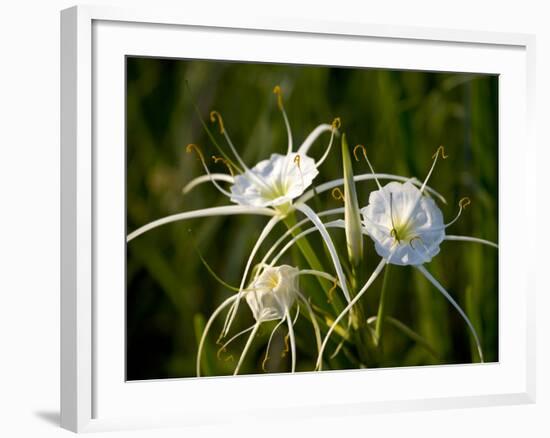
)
(407, 228)
(268, 188)
(270, 297)
(276, 181)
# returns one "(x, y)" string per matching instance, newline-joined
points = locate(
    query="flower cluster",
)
(401, 218)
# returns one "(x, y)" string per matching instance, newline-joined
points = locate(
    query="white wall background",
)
(29, 215)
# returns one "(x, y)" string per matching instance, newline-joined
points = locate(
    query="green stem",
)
(381, 308)
(305, 247)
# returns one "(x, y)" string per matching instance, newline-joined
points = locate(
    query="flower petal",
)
(226, 210)
(446, 294)
(207, 178)
(472, 239)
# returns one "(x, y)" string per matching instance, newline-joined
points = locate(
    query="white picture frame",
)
(93, 396)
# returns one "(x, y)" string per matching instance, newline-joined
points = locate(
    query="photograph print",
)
(296, 218)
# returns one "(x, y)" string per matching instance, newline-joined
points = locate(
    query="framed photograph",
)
(278, 217)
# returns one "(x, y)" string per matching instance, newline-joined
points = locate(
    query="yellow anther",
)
(216, 117)
(413, 239)
(287, 348)
(277, 90)
(337, 194)
(464, 202)
(336, 123)
(331, 291)
(264, 362)
(193, 147)
(224, 161)
(439, 150)
(363, 149)
(297, 160)
(219, 353)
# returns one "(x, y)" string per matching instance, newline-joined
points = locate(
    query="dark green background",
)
(401, 116)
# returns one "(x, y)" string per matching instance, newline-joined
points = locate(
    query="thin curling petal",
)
(206, 178)
(313, 135)
(357, 297)
(330, 246)
(333, 224)
(290, 231)
(446, 294)
(227, 210)
(472, 239)
(216, 312)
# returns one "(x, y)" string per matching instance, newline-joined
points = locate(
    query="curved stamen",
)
(277, 91)
(318, 274)
(330, 294)
(440, 151)
(462, 204)
(216, 312)
(216, 159)
(364, 150)
(215, 116)
(297, 160)
(336, 123)
(223, 348)
(193, 147)
(247, 347)
(266, 358)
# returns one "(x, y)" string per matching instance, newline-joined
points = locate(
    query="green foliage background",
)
(401, 117)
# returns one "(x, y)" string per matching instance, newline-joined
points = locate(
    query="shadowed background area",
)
(400, 116)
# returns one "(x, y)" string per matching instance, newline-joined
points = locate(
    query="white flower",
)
(274, 182)
(273, 292)
(407, 227)
(271, 296)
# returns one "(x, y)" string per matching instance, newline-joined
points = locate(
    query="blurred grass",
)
(400, 116)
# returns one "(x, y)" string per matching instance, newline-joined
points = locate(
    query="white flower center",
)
(406, 226)
(273, 293)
